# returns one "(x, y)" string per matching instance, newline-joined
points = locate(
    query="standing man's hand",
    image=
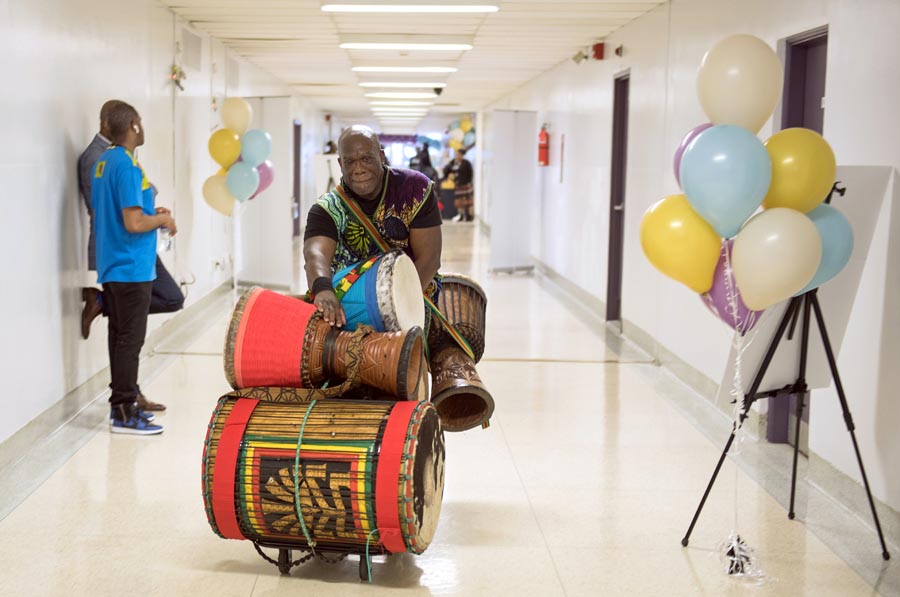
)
(164, 211)
(168, 222)
(331, 308)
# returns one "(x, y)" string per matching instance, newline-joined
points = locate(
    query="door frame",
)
(618, 175)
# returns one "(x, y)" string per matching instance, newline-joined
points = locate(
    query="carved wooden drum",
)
(277, 340)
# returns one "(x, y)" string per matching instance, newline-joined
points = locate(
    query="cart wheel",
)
(363, 569)
(284, 561)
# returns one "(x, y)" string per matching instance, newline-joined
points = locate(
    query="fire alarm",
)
(597, 51)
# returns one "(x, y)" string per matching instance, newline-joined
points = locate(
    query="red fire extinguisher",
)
(543, 147)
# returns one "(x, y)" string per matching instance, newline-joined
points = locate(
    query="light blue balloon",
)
(242, 180)
(725, 173)
(256, 145)
(837, 244)
(469, 139)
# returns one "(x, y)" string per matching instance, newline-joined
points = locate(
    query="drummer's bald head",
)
(358, 131)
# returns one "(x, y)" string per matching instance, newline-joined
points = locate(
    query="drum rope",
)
(296, 562)
(368, 557)
(297, 505)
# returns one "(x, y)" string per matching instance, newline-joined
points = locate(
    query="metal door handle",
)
(619, 207)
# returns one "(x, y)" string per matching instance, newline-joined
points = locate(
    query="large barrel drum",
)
(336, 475)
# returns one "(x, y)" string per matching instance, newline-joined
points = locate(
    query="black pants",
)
(128, 304)
(166, 296)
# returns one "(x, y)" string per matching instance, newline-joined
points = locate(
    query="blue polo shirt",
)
(119, 183)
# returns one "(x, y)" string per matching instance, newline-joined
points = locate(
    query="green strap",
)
(309, 539)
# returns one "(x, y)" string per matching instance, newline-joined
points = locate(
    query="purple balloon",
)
(724, 298)
(266, 176)
(692, 134)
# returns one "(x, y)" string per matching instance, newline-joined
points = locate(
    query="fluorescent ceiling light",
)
(427, 8)
(403, 111)
(410, 95)
(404, 46)
(399, 103)
(405, 69)
(406, 42)
(402, 85)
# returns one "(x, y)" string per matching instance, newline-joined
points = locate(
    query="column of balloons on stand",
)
(242, 154)
(750, 229)
(461, 134)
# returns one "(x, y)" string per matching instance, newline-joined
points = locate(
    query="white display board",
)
(866, 190)
(513, 165)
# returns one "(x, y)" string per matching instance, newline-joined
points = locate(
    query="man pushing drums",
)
(377, 212)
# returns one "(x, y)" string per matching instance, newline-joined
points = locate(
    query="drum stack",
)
(328, 444)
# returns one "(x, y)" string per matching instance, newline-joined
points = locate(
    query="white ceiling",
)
(298, 43)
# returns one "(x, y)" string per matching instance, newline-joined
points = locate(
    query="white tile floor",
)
(583, 485)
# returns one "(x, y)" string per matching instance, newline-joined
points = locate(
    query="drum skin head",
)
(404, 291)
(428, 477)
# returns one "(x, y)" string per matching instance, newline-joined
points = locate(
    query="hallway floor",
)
(583, 485)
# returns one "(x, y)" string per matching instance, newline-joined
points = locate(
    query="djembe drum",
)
(386, 296)
(276, 340)
(328, 475)
(457, 392)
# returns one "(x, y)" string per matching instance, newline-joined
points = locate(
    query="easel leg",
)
(712, 481)
(848, 419)
(748, 402)
(799, 397)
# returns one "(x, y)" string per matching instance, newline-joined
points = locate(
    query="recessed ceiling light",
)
(428, 8)
(402, 85)
(409, 41)
(405, 69)
(410, 95)
(399, 103)
(378, 110)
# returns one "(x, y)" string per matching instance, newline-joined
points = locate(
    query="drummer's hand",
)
(331, 308)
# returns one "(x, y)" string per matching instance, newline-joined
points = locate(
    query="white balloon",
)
(217, 195)
(775, 255)
(237, 113)
(739, 82)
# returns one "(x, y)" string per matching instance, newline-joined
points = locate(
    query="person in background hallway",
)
(422, 163)
(399, 203)
(126, 222)
(167, 296)
(461, 168)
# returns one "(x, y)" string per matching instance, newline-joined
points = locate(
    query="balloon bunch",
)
(242, 154)
(708, 238)
(461, 133)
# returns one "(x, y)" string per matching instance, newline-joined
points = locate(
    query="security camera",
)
(438, 90)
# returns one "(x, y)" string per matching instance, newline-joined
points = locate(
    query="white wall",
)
(662, 51)
(62, 60)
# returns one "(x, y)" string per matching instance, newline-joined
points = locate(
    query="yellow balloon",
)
(680, 243)
(803, 169)
(217, 195)
(465, 125)
(225, 147)
(222, 172)
(236, 114)
(455, 143)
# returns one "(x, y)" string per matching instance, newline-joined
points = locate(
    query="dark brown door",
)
(617, 199)
(298, 146)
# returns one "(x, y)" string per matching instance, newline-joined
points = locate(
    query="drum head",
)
(398, 285)
(426, 471)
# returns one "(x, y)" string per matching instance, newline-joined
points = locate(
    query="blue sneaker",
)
(135, 424)
(149, 416)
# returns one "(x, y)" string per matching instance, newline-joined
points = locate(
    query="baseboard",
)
(31, 454)
(591, 306)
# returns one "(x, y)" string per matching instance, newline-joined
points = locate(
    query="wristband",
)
(321, 284)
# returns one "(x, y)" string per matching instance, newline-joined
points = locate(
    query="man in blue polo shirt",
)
(125, 223)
